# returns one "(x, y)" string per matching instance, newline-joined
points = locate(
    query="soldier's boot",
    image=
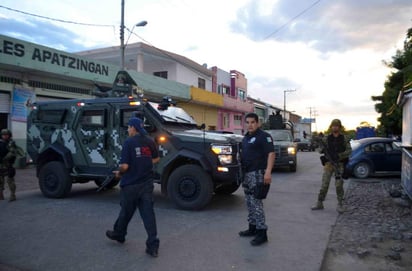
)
(1, 195)
(261, 237)
(340, 208)
(251, 231)
(12, 191)
(318, 206)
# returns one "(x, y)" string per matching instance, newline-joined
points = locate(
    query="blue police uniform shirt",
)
(138, 152)
(255, 150)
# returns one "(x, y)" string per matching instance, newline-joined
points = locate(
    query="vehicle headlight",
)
(291, 150)
(222, 149)
(225, 159)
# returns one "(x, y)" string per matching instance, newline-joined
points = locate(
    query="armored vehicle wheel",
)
(190, 187)
(361, 170)
(226, 189)
(292, 168)
(110, 185)
(54, 180)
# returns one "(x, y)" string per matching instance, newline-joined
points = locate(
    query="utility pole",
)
(284, 102)
(311, 113)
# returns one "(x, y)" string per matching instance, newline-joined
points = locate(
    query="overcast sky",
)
(330, 51)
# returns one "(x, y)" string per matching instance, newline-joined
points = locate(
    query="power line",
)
(54, 19)
(166, 53)
(291, 20)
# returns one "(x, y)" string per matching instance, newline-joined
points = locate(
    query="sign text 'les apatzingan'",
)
(53, 57)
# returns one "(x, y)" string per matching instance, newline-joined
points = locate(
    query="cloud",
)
(41, 32)
(329, 25)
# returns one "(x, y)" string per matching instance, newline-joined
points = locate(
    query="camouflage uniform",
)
(328, 170)
(257, 150)
(340, 150)
(256, 214)
(7, 171)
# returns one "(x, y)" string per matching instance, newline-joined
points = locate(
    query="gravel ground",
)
(375, 232)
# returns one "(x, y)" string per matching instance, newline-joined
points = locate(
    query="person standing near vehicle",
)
(339, 150)
(139, 153)
(8, 153)
(257, 158)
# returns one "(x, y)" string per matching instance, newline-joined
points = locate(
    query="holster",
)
(323, 160)
(261, 190)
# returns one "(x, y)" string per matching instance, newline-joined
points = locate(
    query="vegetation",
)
(401, 78)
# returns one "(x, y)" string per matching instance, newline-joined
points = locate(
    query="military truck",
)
(78, 141)
(285, 147)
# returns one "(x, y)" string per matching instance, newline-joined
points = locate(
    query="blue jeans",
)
(133, 197)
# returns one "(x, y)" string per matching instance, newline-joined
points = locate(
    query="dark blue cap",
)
(138, 125)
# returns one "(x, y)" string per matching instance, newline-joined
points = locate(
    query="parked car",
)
(374, 156)
(304, 144)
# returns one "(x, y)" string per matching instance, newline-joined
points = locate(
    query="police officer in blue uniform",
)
(139, 153)
(258, 156)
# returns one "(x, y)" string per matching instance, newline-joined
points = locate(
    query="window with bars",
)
(201, 83)
(237, 120)
(162, 74)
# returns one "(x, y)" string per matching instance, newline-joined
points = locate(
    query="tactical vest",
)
(3, 149)
(336, 144)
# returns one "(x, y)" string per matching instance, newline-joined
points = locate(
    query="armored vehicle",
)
(285, 147)
(78, 141)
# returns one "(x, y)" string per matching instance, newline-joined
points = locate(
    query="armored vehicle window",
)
(127, 114)
(174, 114)
(93, 118)
(52, 116)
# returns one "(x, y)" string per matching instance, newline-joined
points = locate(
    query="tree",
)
(391, 115)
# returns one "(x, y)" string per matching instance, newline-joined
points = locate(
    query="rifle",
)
(335, 164)
(109, 178)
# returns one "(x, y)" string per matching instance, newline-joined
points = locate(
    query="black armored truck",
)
(78, 141)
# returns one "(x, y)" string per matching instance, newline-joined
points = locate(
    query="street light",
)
(142, 23)
(284, 102)
(122, 45)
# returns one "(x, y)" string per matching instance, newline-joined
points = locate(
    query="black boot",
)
(260, 238)
(249, 232)
(115, 236)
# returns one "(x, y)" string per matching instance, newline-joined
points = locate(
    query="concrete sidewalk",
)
(37, 233)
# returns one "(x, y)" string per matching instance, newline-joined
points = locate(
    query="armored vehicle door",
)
(94, 133)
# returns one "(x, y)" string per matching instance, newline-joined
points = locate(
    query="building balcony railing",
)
(205, 97)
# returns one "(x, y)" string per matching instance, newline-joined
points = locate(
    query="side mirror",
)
(203, 126)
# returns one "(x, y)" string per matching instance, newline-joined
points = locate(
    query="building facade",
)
(233, 87)
(208, 87)
(31, 72)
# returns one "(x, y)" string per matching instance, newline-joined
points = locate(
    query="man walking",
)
(8, 152)
(339, 150)
(139, 153)
(257, 159)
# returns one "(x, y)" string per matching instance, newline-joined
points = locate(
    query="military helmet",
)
(336, 122)
(5, 132)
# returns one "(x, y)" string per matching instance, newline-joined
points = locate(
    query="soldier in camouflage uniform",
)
(258, 157)
(339, 150)
(8, 152)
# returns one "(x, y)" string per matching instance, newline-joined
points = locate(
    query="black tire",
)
(226, 189)
(292, 168)
(362, 170)
(110, 185)
(54, 180)
(190, 187)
